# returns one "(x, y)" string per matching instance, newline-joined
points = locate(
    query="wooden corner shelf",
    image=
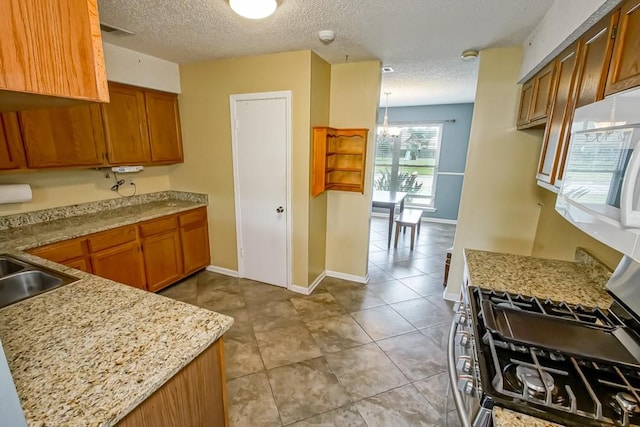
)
(338, 159)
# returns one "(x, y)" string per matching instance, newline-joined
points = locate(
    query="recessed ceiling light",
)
(387, 70)
(254, 9)
(469, 55)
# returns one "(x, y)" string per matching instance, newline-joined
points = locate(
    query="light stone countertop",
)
(507, 418)
(557, 280)
(580, 282)
(89, 352)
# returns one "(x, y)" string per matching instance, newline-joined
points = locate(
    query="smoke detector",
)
(327, 36)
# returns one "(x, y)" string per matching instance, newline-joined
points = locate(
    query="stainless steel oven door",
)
(463, 380)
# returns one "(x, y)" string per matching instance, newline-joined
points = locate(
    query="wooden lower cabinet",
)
(195, 396)
(122, 263)
(73, 253)
(162, 259)
(151, 255)
(194, 235)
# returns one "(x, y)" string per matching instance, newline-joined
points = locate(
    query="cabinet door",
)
(542, 91)
(58, 137)
(50, 48)
(194, 235)
(164, 127)
(594, 55)
(554, 132)
(525, 103)
(121, 263)
(162, 259)
(81, 264)
(125, 123)
(624, 71)
(11, 148)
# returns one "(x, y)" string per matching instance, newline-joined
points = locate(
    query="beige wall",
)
(319, 116)
(557, 238)
(62, 188)
(499, 206)
(208, 168)
(355, 91)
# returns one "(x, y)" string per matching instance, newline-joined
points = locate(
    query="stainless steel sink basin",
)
(20, 280)
(10, 266)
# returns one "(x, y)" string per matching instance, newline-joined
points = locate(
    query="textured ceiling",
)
(421, 39)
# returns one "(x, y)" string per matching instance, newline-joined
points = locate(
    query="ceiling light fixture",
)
(254, 9)
(469, 55)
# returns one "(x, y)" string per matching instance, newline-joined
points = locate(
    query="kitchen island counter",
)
(90, 352)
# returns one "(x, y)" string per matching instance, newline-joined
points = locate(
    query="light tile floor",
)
(347, 355)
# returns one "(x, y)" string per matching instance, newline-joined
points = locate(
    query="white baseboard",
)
(349, 277)
(440, 220)
(222, 270)
(307, 291)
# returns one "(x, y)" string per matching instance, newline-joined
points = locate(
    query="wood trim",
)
(195, 396)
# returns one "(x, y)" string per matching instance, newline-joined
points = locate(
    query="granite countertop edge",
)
(84, 226)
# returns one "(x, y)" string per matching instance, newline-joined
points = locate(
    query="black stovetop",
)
(574, 385)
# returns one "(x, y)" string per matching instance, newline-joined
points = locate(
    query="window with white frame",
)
(407, 161)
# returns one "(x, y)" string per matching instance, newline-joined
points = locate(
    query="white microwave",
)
(600, 192)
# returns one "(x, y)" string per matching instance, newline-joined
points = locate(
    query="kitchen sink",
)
(20, 280)
(10, 266)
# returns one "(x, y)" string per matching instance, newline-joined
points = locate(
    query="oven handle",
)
(453, 377)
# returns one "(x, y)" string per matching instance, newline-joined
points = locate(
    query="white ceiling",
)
(421, 39)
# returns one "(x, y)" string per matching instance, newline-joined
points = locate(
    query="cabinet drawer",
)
(62, 251)
(112, 238)
(190, 217)
(158, 226)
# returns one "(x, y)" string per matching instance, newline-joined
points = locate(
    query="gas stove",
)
(565, 363)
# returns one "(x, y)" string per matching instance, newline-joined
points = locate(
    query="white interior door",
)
(261, 135)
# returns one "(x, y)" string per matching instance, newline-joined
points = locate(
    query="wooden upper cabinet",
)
(624, 71)
(50, 50)
(542, 92)
(165, 135)
(526, 95)
(59, 137)
(536, 98)
(11, 149)
(595, 55)
(552, 148)
(125, 124)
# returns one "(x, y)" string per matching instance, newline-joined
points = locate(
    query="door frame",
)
(286, 95)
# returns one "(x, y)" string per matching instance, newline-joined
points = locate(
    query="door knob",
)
(280, 209)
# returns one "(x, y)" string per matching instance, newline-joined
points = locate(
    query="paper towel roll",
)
(15, 193)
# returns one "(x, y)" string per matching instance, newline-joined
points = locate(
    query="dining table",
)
(389, 200)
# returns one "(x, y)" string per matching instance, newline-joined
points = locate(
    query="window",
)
(407, 161)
